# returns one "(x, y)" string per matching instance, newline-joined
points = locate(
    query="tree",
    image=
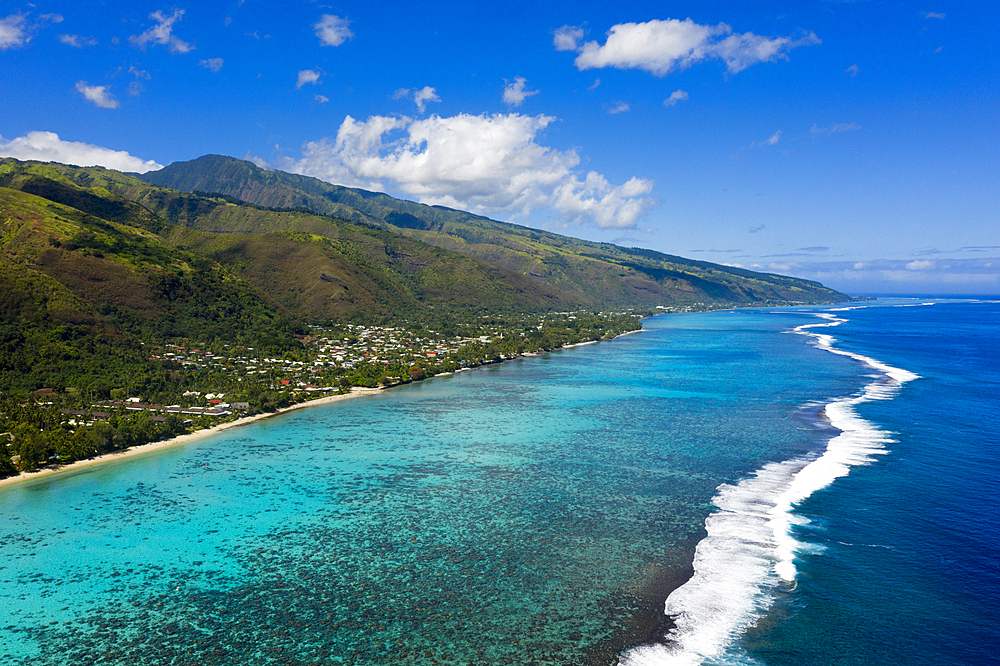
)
(31, 446)
(7, 467)
(173, 426)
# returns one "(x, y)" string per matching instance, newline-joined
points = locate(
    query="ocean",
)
(761, 487)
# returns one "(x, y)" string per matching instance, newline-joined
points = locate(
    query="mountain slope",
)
(313, 267)
(583, 273)
(79, 295)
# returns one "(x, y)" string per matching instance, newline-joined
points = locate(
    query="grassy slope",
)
(315, 267)
(79, 294)
(582, 272)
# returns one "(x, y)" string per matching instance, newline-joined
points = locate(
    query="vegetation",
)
(61, 424)
(112, 288)
(579, 273)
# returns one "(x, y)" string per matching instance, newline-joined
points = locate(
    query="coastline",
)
(356, 392)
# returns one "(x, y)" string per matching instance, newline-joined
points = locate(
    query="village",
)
(202, 384)
(223, 381)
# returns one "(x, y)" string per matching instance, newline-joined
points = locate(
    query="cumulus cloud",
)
(420, 97)
(619, 107)
(162, 33)
(212, 64)
(934, 15)
(675, 96)
(257, 160)
(77, 41)
(321, 99)
(16, 30)
(48, 147)
(423, 96)
(307, 76)
(514, 93)
(99, 95)
(660, 47)
(13, 32)
(852, 70)
(567, 38)
(332, 30)
(920, 265)
(488, 164)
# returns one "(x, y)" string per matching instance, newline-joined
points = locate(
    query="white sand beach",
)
(198, 434)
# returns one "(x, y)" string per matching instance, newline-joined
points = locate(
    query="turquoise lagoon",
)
(541, 511)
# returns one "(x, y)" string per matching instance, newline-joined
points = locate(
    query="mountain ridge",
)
(587, 273)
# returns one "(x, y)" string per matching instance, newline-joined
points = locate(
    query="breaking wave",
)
(749, 553)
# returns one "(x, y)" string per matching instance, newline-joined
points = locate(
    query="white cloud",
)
(567, 38)
(675, 96)
(332, 30)
(15, 30)
(162, 33)
(307, 76)
(136, 87)
(514, 93)
(834, 129)
(773, 139)
(257, 160)
(321, 99)
(424, 95)
(934, 15)
(485, 164)
(852, 70)
(619, 107)
(99, 95)
(212, 64)
(48, 147)
(899, 276)
(77, 41)
(660, 47)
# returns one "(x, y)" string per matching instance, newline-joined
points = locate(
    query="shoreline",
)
(356, 392)
(181, 439)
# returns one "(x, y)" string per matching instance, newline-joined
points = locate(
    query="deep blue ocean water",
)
(722, 488)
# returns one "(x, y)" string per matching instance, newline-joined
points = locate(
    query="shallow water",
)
(536, 512)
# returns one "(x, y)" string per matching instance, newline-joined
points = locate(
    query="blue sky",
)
(855, 143)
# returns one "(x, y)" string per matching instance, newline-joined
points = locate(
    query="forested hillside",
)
(581, 273)
(114, 287)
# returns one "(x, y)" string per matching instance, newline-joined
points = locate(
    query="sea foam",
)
(750, 550)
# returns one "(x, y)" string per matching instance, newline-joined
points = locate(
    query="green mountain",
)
(79, 295)
(309, 266)
(581, 273)
(96, 264)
